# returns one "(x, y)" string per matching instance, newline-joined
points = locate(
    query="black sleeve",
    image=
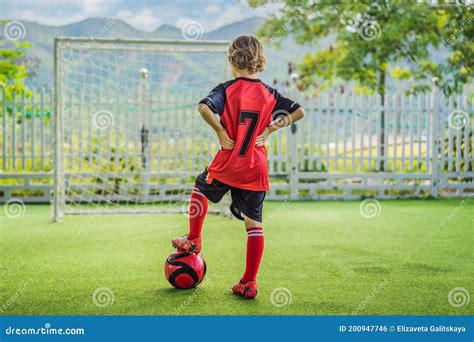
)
(283, 106)
(216, 99)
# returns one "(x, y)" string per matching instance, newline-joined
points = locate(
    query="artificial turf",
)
(326, 255)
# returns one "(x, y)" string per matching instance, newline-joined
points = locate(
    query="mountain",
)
(228, 32)
(41, 38)
(167, 32)
(104, 27)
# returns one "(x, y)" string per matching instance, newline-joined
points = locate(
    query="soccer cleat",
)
(190, 246)
(247, 290)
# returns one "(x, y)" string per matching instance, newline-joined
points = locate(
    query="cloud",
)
(141, 14)
(145, 19)
(231, 13)
(228, 15)
(212, 8)
(53, 19)
(97, 7)
(60, 12)
(268, 8)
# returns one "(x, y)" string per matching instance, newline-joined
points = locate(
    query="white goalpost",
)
(127, 136)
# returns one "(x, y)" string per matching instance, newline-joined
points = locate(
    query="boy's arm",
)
(209, 116)
(281, 122)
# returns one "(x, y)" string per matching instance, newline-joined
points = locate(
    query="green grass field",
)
(329, 257)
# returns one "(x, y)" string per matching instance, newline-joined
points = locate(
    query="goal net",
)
(128, 137)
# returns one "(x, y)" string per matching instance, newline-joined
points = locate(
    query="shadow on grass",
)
(178, 293)
(205, 296)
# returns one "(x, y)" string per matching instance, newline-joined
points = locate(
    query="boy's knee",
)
(249, 223)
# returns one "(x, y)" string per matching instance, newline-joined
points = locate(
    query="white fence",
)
(348, 146)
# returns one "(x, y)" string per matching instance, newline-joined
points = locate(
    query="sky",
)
(146, 15)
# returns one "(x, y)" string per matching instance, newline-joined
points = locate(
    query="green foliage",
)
(13, 66)
(368, 39)
(459, 35)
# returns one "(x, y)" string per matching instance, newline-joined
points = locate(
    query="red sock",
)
(197, 212)
(254, 253)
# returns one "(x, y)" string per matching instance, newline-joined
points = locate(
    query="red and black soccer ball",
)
(185, 270)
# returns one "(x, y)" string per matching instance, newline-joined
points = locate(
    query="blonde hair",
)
(246, 53)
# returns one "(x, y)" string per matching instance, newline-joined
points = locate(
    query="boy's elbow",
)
(301, 112)
(202, 108)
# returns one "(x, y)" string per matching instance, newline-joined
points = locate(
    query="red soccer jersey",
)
(246, 106)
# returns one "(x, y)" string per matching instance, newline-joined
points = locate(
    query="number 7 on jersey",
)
(250, 118)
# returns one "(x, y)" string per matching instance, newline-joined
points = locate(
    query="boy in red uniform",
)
(249, 112)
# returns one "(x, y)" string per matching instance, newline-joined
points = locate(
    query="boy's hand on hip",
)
(260, 141)
(224, 139)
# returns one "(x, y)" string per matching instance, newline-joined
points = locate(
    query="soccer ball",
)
(185, 270)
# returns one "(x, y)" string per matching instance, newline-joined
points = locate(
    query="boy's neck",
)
(246, 74)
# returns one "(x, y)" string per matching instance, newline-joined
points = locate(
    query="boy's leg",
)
(247, 205)
(202, 192)
(255, 245)
(198, 206)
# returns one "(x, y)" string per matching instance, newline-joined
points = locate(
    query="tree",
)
(458, 33)
(13, 65)
(374, 40)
